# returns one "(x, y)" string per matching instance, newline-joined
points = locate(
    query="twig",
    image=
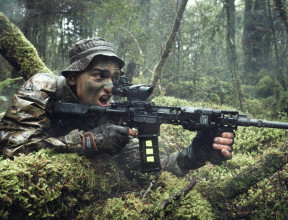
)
(177, 195)
(173, 198)
(152, 184)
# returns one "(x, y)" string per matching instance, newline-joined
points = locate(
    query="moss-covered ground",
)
(253, 185)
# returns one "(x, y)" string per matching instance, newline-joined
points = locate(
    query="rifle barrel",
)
(243, 120)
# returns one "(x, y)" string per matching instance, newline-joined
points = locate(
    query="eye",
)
(98, 75)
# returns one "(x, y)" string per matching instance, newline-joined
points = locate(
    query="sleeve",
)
(129, 159)
(170, 163)
(24, 127)
(180, 163)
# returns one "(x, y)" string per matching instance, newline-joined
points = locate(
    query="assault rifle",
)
(138, 112)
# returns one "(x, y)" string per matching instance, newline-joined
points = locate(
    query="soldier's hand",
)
(107, 138)
(208, 144)
(224, 144)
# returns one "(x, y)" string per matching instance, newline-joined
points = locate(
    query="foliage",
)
(267, 86)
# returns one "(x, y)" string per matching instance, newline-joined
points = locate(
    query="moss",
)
(18, 51)
(129, 206)
(256, 140)
(43, 184)
(262, 201)
(241, 182)
(74, 187)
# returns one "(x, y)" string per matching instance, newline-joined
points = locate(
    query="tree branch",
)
(159, 68)
(18, 51)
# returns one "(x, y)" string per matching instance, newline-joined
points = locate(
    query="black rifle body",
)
(148, 117)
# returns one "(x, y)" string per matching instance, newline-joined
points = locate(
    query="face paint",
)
(95, 85)
(109, 84)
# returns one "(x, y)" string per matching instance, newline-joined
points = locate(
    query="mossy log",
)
(219, 193)
(18, 51)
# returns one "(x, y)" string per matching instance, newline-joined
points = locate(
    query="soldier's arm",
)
(24, 126)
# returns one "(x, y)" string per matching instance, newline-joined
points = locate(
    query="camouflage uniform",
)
(29, 124)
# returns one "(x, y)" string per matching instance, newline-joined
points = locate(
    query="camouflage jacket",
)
(29, 125)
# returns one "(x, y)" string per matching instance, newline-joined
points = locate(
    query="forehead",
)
(102, 61)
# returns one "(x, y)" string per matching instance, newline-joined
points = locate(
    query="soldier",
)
(29, 124)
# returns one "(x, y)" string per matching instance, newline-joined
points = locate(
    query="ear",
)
(71, 80)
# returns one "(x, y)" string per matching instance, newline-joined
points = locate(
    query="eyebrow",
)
(104, 70)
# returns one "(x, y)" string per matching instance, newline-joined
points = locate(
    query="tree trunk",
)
(159, 68)
(278, 67)
(282, 13)
(256, 40)
(240, 183)
(18, 51)
(231, 51)
(246, 43)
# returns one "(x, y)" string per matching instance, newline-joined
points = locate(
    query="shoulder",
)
(44, 82)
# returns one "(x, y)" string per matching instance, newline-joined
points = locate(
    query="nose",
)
(108, 86)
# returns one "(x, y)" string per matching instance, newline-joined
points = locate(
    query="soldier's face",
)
(95, 85)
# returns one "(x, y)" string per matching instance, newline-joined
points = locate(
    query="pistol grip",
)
(216, 157)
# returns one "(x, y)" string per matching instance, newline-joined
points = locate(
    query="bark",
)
(159, 68)
(18, 51)
(282, 13)
(246, 42)
(256, 40)
(231, 51)
(278, 67)
(241, 183)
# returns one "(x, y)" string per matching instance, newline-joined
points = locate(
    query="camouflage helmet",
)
(82, 52)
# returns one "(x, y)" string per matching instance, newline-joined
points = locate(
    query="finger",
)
(228, 135)
(222, 147)
(133, 132)
(224, 141)
(226, 154)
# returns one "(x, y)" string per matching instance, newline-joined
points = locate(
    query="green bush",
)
(254, 107)
(268, 86)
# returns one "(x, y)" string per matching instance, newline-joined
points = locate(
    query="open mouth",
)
(104, 100)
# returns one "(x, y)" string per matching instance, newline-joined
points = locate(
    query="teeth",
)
(105, 97)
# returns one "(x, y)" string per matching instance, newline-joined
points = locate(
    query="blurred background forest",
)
(226, 52)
